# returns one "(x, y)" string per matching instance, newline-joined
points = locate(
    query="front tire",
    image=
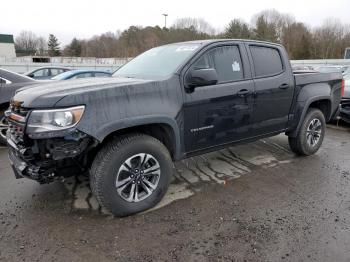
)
(310, 136)
(131, 174)
(3, 127)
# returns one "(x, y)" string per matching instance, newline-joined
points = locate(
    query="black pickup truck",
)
(169, 103)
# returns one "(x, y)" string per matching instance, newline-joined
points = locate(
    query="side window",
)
(56, 71)
(101, 75)
(226, 60)
(41, 73)
(83, 75)
(267, 61)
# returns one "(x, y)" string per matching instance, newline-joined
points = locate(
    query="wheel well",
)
(325, 107)
(162, 132)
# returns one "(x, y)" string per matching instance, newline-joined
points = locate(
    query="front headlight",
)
(54, 119)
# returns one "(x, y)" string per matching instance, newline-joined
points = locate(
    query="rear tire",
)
(140, 160)
(310, 135)
(3, 127)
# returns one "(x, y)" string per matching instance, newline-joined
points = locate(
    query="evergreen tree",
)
(264, 30)
(237, 29)
(53, 46)
(75, 48)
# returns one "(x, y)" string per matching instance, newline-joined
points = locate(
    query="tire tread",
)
(104, 156)
(297, 144)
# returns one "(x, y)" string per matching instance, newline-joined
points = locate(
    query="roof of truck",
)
(209, 41)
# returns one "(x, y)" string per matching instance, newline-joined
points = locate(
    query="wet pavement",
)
(253, 202)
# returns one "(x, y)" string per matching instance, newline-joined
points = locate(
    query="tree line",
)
(326, 41)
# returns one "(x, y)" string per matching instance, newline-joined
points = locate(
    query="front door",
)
(221, 113)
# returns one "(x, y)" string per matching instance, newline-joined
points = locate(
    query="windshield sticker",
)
(186, 48)
(236, 67)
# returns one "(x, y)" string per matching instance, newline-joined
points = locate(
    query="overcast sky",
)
(85, 18)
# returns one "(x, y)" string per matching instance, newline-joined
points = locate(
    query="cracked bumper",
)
(17, 165)
(47, 160)
(22, 168)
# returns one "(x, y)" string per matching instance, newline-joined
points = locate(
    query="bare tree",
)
(327, 39)
(276, 20)
(297, 39)
(198, 24)
(300, 41)
(27, 43)
(42, 46)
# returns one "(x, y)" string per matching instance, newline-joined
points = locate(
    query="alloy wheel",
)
(3, 128)
(313, 132)
(138, 177)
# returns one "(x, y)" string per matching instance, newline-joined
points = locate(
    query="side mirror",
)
(31, 75)
(202, 77)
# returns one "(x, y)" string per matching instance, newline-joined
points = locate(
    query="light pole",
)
(165, 15)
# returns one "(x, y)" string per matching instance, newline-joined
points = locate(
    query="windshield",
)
(157, 62)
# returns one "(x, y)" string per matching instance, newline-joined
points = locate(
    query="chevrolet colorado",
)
(169, 103)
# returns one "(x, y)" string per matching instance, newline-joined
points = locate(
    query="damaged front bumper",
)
(49, 159)
(23, 169)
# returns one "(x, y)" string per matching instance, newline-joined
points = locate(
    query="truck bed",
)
(304, 78)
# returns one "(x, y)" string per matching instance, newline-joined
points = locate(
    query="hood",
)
(48, 94)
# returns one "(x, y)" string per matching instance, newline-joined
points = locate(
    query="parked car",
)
(331, 69)
(167, 104)
(346, 73)
(302, 68)
(9, 83)
(74, 74)
(48, 72)
(345, 102)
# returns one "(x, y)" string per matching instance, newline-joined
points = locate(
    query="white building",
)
(7, 46)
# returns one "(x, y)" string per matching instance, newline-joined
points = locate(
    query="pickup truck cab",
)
(167, 104)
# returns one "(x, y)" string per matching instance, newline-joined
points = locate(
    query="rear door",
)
(274, 84)
(219, 114)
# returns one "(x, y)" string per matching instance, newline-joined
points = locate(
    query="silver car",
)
(9, 83)
(43, 73)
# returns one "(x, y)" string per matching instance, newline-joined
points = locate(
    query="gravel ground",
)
(253, 202)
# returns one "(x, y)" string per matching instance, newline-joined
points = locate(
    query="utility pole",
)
(165, 16)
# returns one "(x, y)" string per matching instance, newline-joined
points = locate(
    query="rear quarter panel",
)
(312, 87)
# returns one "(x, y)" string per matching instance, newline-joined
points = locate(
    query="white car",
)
(347, 86)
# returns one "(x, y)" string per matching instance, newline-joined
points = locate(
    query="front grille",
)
(16, 121)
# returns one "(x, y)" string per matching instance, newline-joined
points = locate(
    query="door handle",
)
(283, 86)
(243, 92)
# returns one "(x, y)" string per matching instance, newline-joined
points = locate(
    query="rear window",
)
(56, 71)
(267, 61)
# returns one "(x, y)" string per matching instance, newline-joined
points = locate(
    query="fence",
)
(24, 64)
(322, 62)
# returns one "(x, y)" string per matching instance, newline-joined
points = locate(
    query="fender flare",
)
(306, 107)
(104, 131)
